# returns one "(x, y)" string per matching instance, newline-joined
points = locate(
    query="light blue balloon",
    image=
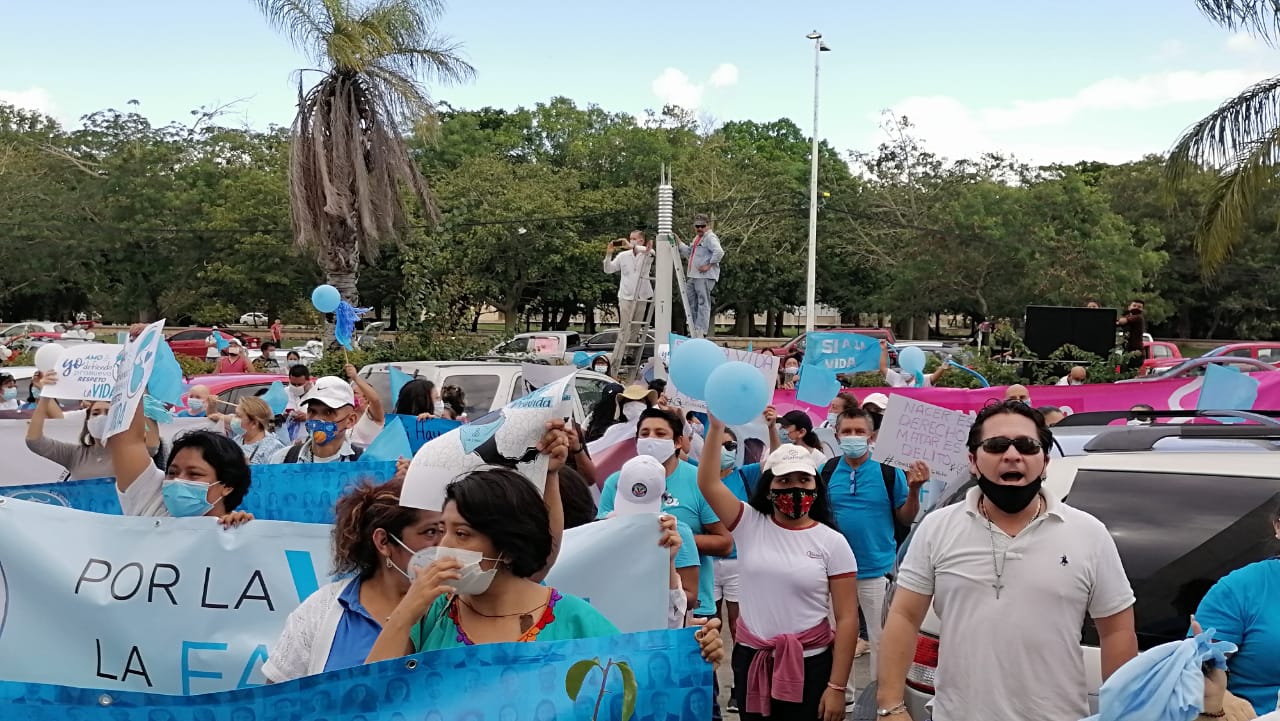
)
(326, 298)
(692, 362)
(737, 393)
(911, 360)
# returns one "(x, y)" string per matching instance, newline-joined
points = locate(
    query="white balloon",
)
(47, 357)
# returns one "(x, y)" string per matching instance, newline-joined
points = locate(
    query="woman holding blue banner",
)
(206, 475)
(479, 587)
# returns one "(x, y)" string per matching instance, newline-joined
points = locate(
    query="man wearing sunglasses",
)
(1013, 559)
(704, 270)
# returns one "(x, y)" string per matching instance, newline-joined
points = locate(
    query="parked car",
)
(253, 319)
(1181, 521)
(23, 375)
(1159, 354)
(1194, 367)
(487, 385)
(604, 342)
(543, 345)
(796, 345)
(191, 341)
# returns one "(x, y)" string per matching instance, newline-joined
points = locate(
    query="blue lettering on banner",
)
(187, 672)
(661, 673)
(303, 572)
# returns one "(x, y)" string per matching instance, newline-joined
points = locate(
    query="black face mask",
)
(1010, 499)
(794, 503)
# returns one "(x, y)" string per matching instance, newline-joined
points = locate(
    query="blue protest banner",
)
(420, 432)
(391, 443)
(842, 352)
(183, 606)
(1226, 388)
(818, 385)
(300, 492)
(656, 675)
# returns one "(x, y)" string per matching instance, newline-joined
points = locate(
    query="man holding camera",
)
(634, 284)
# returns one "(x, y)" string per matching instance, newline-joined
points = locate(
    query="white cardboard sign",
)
(86, 373)
(916, 431)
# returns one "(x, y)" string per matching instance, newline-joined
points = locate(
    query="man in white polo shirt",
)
(1011, 572)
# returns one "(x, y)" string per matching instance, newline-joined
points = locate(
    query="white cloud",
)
(1245, 44)
(37, 99)
(953, 129)
(725, 75)
(1170, 50)
(673, 87)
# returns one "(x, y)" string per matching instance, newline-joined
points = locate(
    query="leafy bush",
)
(193, 366)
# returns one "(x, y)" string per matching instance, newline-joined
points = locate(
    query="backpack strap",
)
(829, 469)
(291, 456)
(355, 455)
(900, 530)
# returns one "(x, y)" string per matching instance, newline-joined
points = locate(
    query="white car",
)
(487, 385)
(1180, 520)
(253, 319)
(542, 345)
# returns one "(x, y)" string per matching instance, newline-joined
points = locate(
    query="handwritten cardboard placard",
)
(918, 431)
(86, 373)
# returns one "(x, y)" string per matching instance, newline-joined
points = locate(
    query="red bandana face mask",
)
(794, 503)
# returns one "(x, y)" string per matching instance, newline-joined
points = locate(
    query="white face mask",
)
(474, 580)
(98, 426)
(659, 449)
(633, 409)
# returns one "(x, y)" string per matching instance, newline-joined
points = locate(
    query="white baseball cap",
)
(879, 400)
(642, 483)
(789, 459)
(331, 391)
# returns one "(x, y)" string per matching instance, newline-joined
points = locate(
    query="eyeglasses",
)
(700, 226)
(731, 445)
(1023, 444)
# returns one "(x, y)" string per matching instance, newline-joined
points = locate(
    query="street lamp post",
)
(811, 294)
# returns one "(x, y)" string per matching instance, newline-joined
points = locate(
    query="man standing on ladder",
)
(634, 284)
(704, 270)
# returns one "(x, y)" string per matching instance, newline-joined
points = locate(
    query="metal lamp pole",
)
(811, 294)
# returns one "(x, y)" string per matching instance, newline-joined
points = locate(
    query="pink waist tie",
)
(777, 670)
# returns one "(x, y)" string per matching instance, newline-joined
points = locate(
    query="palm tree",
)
(1241, 139)
(348, 161)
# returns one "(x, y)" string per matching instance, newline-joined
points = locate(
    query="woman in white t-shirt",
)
(206, 475)
(796, 571)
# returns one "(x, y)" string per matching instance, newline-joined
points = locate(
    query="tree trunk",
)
(742, 320)
(566, 315)
(340, 261)
(395, 318)
(589, 319)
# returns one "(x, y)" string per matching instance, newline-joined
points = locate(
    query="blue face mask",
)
(853, 446)
(237, 429)
(322, 432)
(195, 405)
(10, 394)
(185, 499)
(35, 392)
(727, 458)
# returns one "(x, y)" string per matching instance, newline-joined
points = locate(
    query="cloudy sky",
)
(1048, 82)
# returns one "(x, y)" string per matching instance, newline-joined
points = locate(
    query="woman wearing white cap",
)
(796, 571)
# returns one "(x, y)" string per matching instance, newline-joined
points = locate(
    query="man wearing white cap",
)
(331, 413)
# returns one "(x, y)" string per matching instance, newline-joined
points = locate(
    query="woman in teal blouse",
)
(475, 588)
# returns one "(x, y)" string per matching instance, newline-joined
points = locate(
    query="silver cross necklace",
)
(998, 567)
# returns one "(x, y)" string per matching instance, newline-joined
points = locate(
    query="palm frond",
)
(305, 22)
(1234, 196)
(1256, 17)
(1221, 137)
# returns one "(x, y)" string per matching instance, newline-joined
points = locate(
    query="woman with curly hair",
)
(374, 538)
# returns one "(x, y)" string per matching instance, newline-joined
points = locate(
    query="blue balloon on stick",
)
(692, 362)
(737, 393)
(326, 298)
(911, 360)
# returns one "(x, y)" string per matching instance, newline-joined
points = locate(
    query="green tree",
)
(348, 161)
(1240, 139)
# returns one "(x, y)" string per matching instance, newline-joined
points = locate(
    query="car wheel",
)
(600, 365)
